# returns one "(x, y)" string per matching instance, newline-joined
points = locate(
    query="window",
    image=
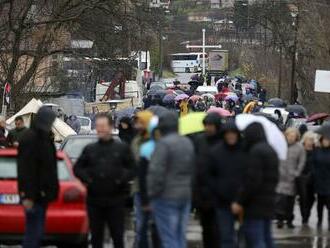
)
(8, 169)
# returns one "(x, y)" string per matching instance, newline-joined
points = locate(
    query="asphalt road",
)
(300, 237)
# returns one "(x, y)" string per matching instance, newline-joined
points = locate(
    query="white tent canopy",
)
(60, 128)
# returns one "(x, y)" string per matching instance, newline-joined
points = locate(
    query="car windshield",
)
(74, 147)
(84, 121)
(8, 169)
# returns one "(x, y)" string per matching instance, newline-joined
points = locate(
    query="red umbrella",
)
(222, 112)
(194, 98)
(318, 116)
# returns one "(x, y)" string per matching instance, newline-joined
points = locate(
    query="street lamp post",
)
(294, 14)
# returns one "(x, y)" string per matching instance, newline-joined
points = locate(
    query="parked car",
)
(66, 220)
(85, 125)
(74, 145)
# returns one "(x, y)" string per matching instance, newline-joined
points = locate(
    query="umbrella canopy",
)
(128, 112)
(179, 92)
(220, 111)
(169, 98)
(277, 102)
(324, 131)
(158, 110)
(318, 116)
(156, 87)
(192, 123)
(194, 98)
(297, 109)
(194, 82)
(232, 97)
(160, 93)
(181, 97)
(274, 136)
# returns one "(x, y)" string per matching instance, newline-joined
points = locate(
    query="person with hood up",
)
(321, 162)
(146, 151)
(169, 182)
(256, 199)
(226, 165)
(37, 175)
(126, 130)
(142, 120)
(202, 197)
(290, 170)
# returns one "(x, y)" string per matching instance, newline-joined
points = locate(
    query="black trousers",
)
(285, 207)
(322, 201)
(209, 223)
(113, 217)
(305, 189)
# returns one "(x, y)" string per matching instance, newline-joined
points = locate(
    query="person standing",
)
(16, 134)
(142, 120)
(256, 199)
(106, 167)
(126, 130)
(226, 165)
(37, 175)
(290, 170)
(3, 132)
(169, 182)
(321, 163)
(305, 183)
(202, 197)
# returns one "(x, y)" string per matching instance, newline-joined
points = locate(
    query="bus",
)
(188, 62)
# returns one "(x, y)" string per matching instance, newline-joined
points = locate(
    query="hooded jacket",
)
(36, 160)
(172, 164)
(226, 165)
(258, 192)
(202, 144)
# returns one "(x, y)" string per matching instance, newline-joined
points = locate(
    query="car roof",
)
(10, 152)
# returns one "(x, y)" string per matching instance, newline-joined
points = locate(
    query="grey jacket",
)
(171, 168)
(290, 169)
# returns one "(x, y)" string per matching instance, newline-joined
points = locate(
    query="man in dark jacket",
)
(226, 165)
(16, 134)
(203, 199)
(169, 182)
(37, 175)
(257, 195)
(106, 167)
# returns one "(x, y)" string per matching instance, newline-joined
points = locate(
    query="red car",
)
(66, 221)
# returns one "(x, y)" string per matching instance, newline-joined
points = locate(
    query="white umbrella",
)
(274, 136)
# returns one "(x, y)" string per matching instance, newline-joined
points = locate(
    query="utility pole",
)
(295, 16)
(204, 47)
(160, 59)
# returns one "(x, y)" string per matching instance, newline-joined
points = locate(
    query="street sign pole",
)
(204, 54)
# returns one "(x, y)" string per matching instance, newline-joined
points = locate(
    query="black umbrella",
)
(324, 131)
(297, 110)
(156, 87)
(277, 102)
(160, 93)
(158, 110)
(195, 82)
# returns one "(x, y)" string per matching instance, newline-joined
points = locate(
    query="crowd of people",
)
(233, 178)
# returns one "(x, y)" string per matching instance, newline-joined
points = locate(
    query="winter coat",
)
(3, 139)
(321, 171)
(37, 162)
(257, 194)
(226, 166)
(15, 135)
(126, 135)
(291, 169)
(106, 167)
(171, 167)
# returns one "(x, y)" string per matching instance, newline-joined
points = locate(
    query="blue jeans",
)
(172, 218)
(258, 233)
(34, 226)
(226, 223)
(142, 220)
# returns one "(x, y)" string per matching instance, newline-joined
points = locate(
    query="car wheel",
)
(187, 70)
